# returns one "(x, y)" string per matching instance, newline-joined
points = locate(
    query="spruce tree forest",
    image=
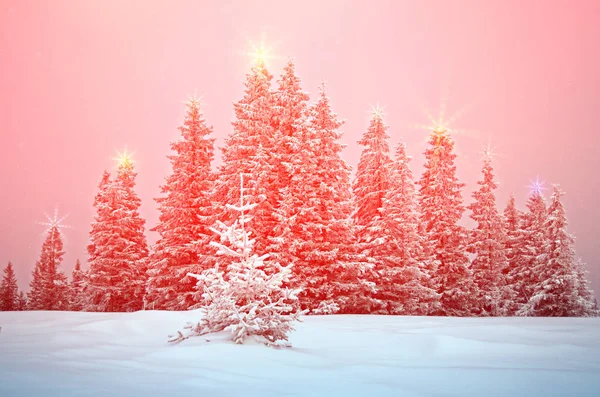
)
(387, 242)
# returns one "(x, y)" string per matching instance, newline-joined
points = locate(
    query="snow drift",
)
(127, 354)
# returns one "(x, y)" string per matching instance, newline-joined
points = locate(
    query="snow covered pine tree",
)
(118, 249)
(186, 213)
(556, 293)
(245, 301)
(49, 287)
(487, 243)
(441, 209)
(9, 295)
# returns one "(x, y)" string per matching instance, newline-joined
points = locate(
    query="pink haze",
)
(82, 79)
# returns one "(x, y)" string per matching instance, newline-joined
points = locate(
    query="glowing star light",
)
(488, 153)
(54, 222)
(124, 159)
(260, 53)
(441, 125)
(537, 187)
(194, 100)
(377, 112)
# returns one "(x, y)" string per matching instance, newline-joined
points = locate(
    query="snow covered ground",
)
(112, 355)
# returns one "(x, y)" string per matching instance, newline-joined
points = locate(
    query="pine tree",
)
(531, 243)
(186, 214)
(118, 249)
(588, 303)
(248, 302)
(250, 150)
(9, 290)
(514, 246)
(487, 243)
(289, 118)
(49, 287)
(371, 183)
(101, 288)
(555, 292)
(315, 229)
(404, 285)
(441, 209)
(21, 302)
(372, 180)
(131, 225)
(76, 288)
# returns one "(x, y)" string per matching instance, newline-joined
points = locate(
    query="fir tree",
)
(21, 302)
(315, 229)
(441, 209)
(555, 292)
(289, 120)
(118, 249)
(9, 290)
(290, 112)
(372, 179)
(131, 226)
(487, 243)
(588, 304)
(404, 285)
(247, 301)
(514, 246)
(186, 213)
(76, 288)
(250, 150)
(101, 287)
(529, 256)
(49, 287)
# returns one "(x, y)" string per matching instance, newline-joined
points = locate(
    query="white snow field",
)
(127, 354)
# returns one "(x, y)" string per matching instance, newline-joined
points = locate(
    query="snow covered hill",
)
(127, 355)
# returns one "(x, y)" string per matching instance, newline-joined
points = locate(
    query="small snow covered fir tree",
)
(487, 243)
(76, 288)
(529, 249)
(588, 304)
(556, 291)
(9, 295)
(21, 302)
(245, 301)
(512, 218)
(49, 287)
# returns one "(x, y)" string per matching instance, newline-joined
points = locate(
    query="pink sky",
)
(81, 79)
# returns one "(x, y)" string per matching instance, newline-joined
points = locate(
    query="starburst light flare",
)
(124, 159)
(537, 187)
(54, 221)
(261, 53)
(377, 111)
(488, 152)
(441, 124)
(194, 99)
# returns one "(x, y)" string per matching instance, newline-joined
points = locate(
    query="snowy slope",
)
(126, 354)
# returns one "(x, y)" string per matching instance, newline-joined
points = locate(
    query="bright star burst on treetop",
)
(124, 159)
(194, 100)
(440, 126)
(377, 112)
(489, 152)
(537, 186)
(54, 222)
(260, 53)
